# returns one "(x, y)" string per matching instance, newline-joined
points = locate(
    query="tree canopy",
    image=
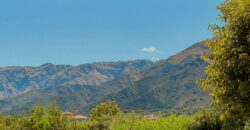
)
(228, 72)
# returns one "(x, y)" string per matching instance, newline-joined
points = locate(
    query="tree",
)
(103, 114)
(40, 119)
(228, 72)
(206, 120)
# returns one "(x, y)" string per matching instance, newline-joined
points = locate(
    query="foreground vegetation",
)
(105, 116)
(228, 73)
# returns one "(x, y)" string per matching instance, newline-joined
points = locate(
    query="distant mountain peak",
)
(195, 50)
(47, 65)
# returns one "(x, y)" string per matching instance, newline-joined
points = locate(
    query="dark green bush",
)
(206, 120)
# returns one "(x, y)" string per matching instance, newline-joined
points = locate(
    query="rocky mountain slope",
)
(164, 86)
(18, 80)
(169, 84)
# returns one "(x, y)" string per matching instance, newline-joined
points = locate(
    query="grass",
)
(134, 122)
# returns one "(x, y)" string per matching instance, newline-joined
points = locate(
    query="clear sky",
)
(34, 32)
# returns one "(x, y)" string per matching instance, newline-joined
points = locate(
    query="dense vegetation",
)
(133, 121)
(228, 72)
(105, 116)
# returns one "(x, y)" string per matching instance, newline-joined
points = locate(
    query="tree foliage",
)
(41, 119)
(228, 73)
(206, 120)
(103, 114)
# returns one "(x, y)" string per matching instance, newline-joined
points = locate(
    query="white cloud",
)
(150, 50)
(155, 59)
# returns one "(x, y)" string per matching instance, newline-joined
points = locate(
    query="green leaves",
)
(228, 74)
(103, 114)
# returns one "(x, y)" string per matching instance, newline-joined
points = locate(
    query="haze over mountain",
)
(162, 86)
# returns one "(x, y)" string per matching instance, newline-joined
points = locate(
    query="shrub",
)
(206, 120)
(102, 115)
(40, 119)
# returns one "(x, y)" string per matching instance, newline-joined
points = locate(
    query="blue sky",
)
(33, 32)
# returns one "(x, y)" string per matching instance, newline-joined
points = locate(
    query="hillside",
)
(165, 86)
(18, 80)
(170, 84)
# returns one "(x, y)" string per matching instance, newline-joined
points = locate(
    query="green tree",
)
(228, 72)
(206, 120)
(103, 114)
(40, 119)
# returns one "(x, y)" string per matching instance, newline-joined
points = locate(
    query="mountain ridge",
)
(164, 78)
(165, 85)
(17, 80)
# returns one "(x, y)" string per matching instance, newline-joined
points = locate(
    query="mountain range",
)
(166, 85)
(18, 80)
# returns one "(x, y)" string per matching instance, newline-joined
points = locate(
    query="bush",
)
(206, 120)
(102, 115)
(233, 122)
(52, 119)
(9, 123)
